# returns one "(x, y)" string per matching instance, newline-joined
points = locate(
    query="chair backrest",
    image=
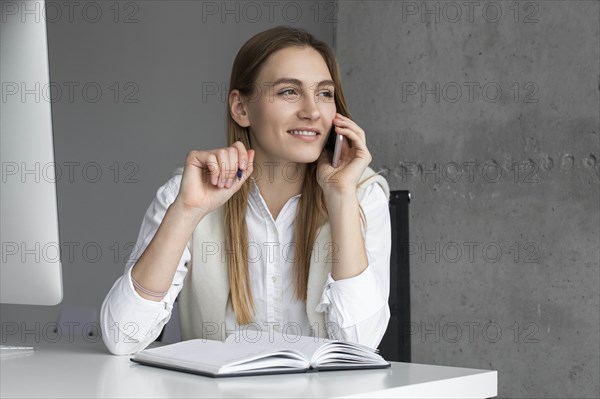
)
(395, 345)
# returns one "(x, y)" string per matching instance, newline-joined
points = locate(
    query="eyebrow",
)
(297, 82)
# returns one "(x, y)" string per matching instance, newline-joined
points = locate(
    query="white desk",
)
(83, 369)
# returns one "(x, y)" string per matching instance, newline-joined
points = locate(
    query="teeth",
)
(303, 133)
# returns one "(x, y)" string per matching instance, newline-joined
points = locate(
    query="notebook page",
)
(276, 340)
(343, 352)
(203, 355)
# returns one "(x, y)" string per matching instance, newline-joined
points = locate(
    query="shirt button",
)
(274, 280)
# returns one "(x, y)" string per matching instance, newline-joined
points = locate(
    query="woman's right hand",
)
(210, 177)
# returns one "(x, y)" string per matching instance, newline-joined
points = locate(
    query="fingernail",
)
(229, 183)
(239, 174)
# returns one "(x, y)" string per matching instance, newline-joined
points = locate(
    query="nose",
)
(309, 108)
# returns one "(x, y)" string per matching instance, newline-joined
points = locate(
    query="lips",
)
(306, 136)
(303, 133)
(304, 130)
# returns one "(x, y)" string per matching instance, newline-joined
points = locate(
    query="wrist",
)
(340, 196)
(187, 214)
(339, 204)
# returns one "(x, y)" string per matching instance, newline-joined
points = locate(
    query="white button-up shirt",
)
(357, 306)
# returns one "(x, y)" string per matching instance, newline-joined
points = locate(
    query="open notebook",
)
(272, 353)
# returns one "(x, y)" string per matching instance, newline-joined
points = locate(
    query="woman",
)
(265, 234)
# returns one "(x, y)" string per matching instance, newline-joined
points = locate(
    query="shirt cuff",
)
(352, 300)
(147, 313)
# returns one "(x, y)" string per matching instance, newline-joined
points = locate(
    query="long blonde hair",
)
(312, 212)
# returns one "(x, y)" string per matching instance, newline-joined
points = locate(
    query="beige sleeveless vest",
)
(205, 292)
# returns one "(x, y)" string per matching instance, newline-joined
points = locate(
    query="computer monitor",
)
(31, 265)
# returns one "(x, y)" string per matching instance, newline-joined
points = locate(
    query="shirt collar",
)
(258, 201)
(255, 191)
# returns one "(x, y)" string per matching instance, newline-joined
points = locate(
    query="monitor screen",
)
(31, 266)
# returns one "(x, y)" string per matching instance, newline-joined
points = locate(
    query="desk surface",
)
(83, 369)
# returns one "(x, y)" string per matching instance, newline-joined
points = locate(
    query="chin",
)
(306, 158)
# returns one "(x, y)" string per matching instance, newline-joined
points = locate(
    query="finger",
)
(242, 154)
(232, 167)
(242, 175)
(212, 165)
(203, 160)
(349, 122)
(351, 135)
(223, 160)
(351, 125)
(249, 168)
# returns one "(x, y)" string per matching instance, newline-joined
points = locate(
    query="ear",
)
(237, 108)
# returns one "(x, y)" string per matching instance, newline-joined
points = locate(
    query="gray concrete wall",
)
(504, 179)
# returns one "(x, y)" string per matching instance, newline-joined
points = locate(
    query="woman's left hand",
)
(353, 161)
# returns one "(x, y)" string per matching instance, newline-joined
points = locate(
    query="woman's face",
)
(281, 106)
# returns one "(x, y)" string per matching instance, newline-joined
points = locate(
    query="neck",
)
(278, 182)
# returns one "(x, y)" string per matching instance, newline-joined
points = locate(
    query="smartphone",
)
(334, 144)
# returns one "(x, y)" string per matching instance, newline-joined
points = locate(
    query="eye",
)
(327, 96)
(284, 92)
(290, 95)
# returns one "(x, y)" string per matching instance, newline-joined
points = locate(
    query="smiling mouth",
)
(302, 133)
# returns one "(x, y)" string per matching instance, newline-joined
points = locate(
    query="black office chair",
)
(395, 345)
